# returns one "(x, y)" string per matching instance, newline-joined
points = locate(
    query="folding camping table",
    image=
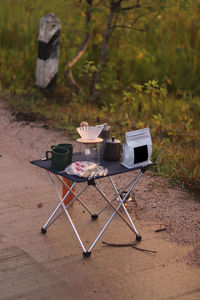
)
(114, 168)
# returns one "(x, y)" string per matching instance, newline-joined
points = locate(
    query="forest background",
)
(150, 78)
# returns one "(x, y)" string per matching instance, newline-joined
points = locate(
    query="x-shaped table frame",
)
(121, 196)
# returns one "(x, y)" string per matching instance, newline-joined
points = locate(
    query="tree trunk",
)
(115, 7)
(102, 56)
(68, 72)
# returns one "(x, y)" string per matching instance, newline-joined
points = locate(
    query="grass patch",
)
(175, 134)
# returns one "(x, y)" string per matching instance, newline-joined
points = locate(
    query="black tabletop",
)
(114, 168)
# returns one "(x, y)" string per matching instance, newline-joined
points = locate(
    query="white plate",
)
(98, 140)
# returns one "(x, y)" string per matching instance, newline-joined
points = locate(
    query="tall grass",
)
(19, 30)
(168, 49)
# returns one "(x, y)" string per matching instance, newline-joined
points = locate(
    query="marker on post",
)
(48, 51)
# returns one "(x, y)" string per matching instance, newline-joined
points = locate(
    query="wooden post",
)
(48, 49)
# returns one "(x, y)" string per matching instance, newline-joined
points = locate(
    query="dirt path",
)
(177, 209)
(42, 261)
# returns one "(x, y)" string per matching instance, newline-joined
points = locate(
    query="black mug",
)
(60, 158)
(67, 147)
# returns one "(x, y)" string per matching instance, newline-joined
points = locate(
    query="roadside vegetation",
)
(150, 78)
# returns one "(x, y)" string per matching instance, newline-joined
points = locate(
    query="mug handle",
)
(47, 156)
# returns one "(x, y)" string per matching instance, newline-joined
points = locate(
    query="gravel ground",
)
(177, 210)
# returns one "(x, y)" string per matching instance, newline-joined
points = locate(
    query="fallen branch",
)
(133, 245)
(161, 229)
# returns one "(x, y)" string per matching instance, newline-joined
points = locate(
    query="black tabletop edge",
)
(114, 168)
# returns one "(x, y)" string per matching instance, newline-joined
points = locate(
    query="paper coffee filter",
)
(89, 132)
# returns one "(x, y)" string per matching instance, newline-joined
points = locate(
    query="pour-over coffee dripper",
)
(89, 133)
